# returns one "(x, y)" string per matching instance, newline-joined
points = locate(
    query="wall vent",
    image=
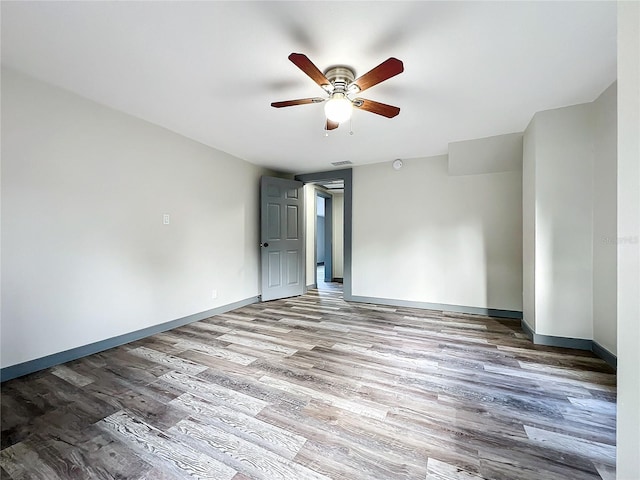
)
(339, 164)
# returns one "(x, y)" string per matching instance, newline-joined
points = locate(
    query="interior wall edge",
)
(32, 366)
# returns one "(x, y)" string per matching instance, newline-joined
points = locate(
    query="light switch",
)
(165, 219)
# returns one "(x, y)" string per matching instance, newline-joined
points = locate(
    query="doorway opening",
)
(324, 240)
(327, 234)
(337, 185)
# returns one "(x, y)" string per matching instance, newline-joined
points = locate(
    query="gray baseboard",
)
(527, 329)
(491, 312)
(605, 354)
(37, 364)
(576, 343)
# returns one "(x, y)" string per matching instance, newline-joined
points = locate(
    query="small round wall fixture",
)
(397, 164)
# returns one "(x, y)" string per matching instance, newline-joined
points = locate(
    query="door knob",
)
(265, 244)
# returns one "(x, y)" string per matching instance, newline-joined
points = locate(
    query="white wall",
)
(421, 235)
(604, 219)
(628, 421)
(569, 205)
(85, 255)
(500, 153)
(564, 192)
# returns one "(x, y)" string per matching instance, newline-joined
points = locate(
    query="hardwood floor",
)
(314, 388)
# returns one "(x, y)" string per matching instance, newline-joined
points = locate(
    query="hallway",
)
(322, 285)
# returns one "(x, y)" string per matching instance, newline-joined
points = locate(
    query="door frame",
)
(328, 236)
(346, 175)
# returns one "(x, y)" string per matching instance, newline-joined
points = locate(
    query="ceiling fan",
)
(338, 82)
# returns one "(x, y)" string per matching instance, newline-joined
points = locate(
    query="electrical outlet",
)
(214, 293)
(165, 219)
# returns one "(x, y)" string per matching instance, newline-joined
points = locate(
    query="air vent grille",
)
(340, 164)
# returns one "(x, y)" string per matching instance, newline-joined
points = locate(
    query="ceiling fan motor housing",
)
(340, 77)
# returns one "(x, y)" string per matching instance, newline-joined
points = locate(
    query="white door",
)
(281, 238)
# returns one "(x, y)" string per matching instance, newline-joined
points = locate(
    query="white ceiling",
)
(209, 70)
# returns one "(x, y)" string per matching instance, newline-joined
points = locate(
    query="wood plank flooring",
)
(315, 388)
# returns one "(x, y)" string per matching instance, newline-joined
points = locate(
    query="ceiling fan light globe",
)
(338, 108)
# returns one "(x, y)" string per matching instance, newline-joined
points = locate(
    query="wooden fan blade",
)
(331, 125)
(378, 108)
(301, 101)
(387, 69)
(303, 63)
